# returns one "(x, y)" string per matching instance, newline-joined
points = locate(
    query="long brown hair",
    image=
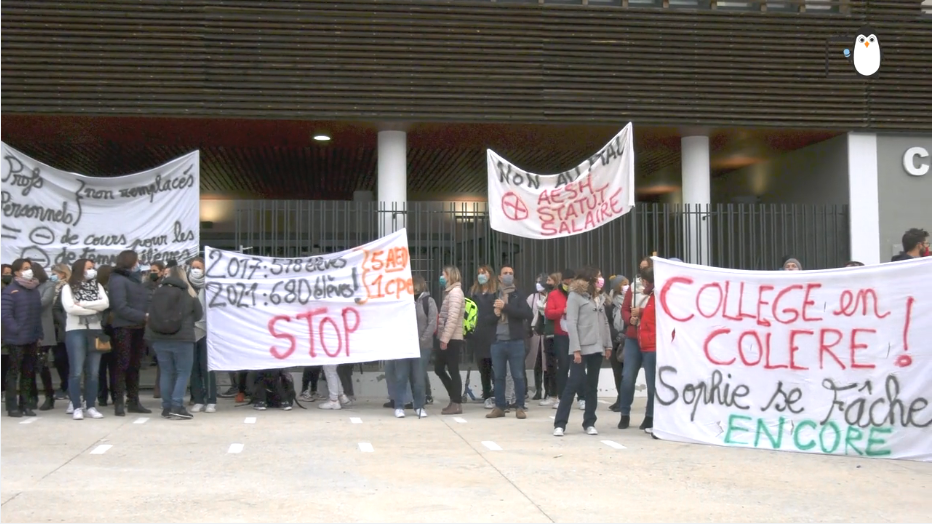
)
(490, 287)
(589, 274)
(77, 273)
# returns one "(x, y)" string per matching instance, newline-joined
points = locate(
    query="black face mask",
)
(7, 279)
(154, 277)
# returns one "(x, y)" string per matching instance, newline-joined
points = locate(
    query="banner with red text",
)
(834, 362)
(352, 306)
(595, 192)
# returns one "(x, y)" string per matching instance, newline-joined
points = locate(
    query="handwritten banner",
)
(352, 306)
(593, 193)
(53, 216)
(833, 362)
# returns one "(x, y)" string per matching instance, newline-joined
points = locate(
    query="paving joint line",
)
(96, 443)
(487, 461)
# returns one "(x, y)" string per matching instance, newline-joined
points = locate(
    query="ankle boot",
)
(118, 408)
(133, 406)
(15, 413)
(453, 409)
(538, 379)
(49, 404)
(27, 411)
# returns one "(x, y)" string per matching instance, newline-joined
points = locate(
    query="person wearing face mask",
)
(203, 381)
(556, 312)
(483, 293)
(647, 340)
(634, 302)
(550, 356)
(450, 333)
(129, 302)
(614, 299)
(21, 313)
(156, 270)
(61, 273)
(590, 342)
(512, 314)
(536, 360)
(84, 299)
(7, 274)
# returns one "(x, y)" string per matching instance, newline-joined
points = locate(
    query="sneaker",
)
(307, 395)
(556, 404)
(421, 413)
(330, 404)
(93, 413)
(496, 413)
(286, 406)
(582, 405)
(430, 400)
(197, 408)
(78, 414)
(489, 403)
(181, 413)
(547, 402)
(259, 406)
(61, 395)
(557, 432)
(346, 401)
(399, 413)
(240, 398)
(166, 413)
(211, 408)
(389, 405)
(591, 431)
(650, 431)
(70, 409)
(230, 392)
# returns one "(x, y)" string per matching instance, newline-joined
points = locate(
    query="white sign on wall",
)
(832, 362)
(269, 313)
(595, 192)
(916, 161)
(52, 216)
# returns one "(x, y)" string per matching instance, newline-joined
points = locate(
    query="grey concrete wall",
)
(817, 174)
(905, 200)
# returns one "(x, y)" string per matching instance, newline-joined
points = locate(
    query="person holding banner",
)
(647, 340)
(450, 330)
(635, 300)
(590, 341)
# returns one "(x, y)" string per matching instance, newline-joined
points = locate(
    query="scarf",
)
(618, 299)
(505, 291)
(197, 283)
(639, 298)
(28, 284)
(86, 291)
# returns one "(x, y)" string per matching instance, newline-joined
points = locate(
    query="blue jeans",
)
(409, 371)
(390, 383)
(511, 354)
(175, 362)
(425, 362)
(203, 382)
(81, 359)
(584, 375)
(634, 360)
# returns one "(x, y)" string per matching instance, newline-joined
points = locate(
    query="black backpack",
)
(167, 309)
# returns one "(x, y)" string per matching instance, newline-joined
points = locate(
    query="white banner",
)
(53, 216)
(832, 362)
(593, 193)
(352, 306)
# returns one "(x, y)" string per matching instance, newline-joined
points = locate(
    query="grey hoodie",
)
(586, 322)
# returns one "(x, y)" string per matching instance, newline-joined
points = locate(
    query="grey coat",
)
(47, 295)
(426, 323)
(586, 322)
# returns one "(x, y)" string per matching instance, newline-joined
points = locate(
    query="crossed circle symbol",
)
(513, 207)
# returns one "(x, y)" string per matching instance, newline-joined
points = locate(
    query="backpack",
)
(166, 310)
(470, 315)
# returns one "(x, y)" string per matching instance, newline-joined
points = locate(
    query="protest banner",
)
(832, 362)
(52, 216)
(352, 306)
(595, 192)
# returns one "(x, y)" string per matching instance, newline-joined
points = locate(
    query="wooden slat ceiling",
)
(278, 159)
(434, 60)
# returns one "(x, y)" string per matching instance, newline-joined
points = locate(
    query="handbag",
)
(97, 340)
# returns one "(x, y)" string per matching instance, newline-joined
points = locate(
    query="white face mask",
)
(27, 274)
(90, 274)
(624, 289)
(540, 287)
(197, 273)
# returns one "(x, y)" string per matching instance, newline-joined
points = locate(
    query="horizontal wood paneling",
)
(464, 61)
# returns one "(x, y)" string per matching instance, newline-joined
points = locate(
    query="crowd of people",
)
(96, 325)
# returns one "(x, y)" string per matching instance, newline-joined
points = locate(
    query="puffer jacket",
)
(451, 314)
(21, 315)
(129, 299)
(556, 308)
(586, 322)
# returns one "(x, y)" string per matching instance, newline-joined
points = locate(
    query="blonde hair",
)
(64, 270)
(179, 273)
(557, 278)
(420, 285)
(490, 287)
(453, 275)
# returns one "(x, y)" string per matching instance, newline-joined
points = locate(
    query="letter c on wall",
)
(910, 163)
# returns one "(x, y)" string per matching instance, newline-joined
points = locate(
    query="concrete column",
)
(863, 198)
(393, 180)
(697, 195)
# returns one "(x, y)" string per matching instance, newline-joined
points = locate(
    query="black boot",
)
(118, 408)
(27, 410)
(135, 407)
(15, 413)
(538, 379)
(624, 422)
(49, 404)
(647, 424)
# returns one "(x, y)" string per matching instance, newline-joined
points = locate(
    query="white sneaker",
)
(557, 432)
(78, 414)
(547, 401)
(70, 409)
(307, 396)
(211, 408)
(591, 431)
(399, 413)
(197, 408)
(490, 403)
(421, 413)
(330, 404)
(93, 413)
(582, 405)
(556, 404)
(346, 401)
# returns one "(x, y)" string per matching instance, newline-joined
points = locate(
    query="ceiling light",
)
(320, 137)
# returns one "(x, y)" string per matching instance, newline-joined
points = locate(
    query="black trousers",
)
(618, 368)
(584, 375)
(268, 380)
(447, 367)
(485, 376)
(310, 377)
(21, 375)
(61, 364)
(550, 376)
(345, 372)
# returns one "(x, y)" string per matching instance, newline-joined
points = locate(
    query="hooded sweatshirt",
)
(586, 322)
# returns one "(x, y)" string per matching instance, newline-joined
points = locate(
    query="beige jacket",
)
(451, 314)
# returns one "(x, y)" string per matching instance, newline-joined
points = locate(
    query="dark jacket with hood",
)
(191, 313)
(129, 299)
(21, 315)
(519, 314)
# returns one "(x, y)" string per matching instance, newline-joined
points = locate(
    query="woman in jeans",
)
(129, 302)
(174, 350)
(590, 342)
(83, 299)
(412, 370)
(635, 300)
(203, 381)
(22, 330)
(450, 333)
(483, 293)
